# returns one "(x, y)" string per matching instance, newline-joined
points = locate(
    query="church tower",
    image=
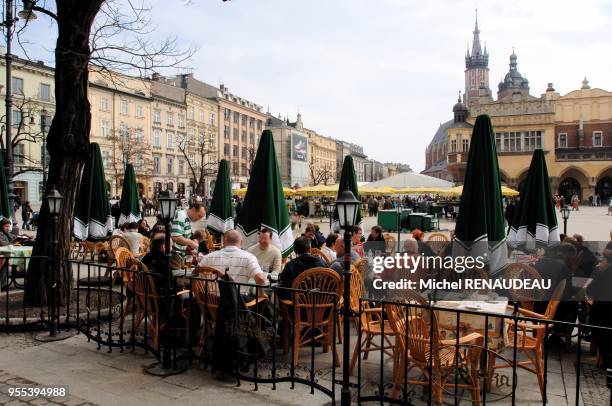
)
(476, 72)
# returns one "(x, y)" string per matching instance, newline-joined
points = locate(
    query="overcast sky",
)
(380, 73)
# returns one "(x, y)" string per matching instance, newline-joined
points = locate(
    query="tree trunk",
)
(67, 142)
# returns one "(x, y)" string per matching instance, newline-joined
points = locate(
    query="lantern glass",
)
(54, 200)
(167, 204)
(565, 212)
(348, 207)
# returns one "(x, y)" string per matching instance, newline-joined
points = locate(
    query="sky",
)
(380, 73)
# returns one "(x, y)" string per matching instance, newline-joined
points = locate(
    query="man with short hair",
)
(133, 237)
(181, 228)
(303, 262)
(268, 256)
(338, 264)
(241, 265)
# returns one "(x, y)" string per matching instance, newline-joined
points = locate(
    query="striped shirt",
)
(242, 266)
(181, 227)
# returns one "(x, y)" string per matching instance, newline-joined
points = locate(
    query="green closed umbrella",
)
(5, 208)
(130, 212)
(535, 220)
(264, 202)
(348, 179)
(480, 224)
(92, 218)
(220, 215)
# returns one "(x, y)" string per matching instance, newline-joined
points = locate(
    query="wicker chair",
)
(206, 294)
(318, 253)
(145, 244)
(526, 297)
(413, 329)
(147, 297)
(116, 241)
(438, 242)
(390, 243)
(310, 326)
(530, 337)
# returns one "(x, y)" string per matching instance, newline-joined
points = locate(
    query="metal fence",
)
(404, 352)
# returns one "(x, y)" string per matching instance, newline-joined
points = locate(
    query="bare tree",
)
(251, 153)
(26, 129)
(129, 146)
(201, 156)
(319, 174)
(115, 36)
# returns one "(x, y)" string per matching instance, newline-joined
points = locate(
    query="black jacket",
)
(295, 267)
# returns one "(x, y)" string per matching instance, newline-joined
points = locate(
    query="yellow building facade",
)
(322, 158)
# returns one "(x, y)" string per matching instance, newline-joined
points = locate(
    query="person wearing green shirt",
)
(181, 227)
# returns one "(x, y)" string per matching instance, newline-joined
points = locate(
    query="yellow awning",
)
(242, 191)
(506, 191)
(318, 190)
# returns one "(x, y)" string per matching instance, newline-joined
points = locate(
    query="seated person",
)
(143, 227)
(303, 262)
(310, 232)
(338, 264)
(268, 256)
(156, 260)
(6, 237)
(328, 248)
(376, 234)
(241, 265)
(200, 237)
(133, 237)
(356, 241)
(424, 248)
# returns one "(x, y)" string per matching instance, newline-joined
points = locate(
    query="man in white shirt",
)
(241, 265)
(268, 256)
(133, 237)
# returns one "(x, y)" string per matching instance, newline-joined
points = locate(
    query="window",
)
(157, 138)
(244, 120)
(499, 141)
(252, 138)
(235, 134)
(124, 107)
(226, 149)
(226, 114)
(170, 140)
(124, 131)
(465, 146)
(235, 151)
(181, 121)
(157, 165)
(45, 92)
(202, 116)
(104, 128)
(532, 140)
(17, 118)
(453, 146)
(19, 154)
(212, 118)
(244, 152)
(106, 159)
(181, 167)
(243, 170)
(17, 84)
(157, 116)
(190, 113)
(139, 161)
(170, 121)
(562, 143)
(251, 122)
(236, 117)
(597, 139)
(139, 135)
(243, 138)
(226, 132)
(512, 141)
(170, 162)
(103, 103)
(259, 123)
(191, 133)
(139, 111)
(45, 153)
(192, 159)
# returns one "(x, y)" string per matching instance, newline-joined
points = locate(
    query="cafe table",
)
(474, 322)
(19, 254)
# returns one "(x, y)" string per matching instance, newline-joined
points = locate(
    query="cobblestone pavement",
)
(8, 380)
(593, 386)
(18, 341)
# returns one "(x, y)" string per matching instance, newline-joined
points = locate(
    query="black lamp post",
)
(54, 201)
(398, 211)
(565, 213)
(43, 130)
(167, 207)
(348, 207)
(330, 212)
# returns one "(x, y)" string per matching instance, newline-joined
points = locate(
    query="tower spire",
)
(476, 48)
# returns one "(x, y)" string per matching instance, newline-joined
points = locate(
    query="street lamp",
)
(398, 211)
(167, 207)
(54, 202)
(43, 130)
(565, 213)
(330, 212)
(348, 208)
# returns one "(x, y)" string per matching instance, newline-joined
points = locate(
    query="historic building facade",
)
(291, 144)
(574, 130)
(33, 91)
(322, 165)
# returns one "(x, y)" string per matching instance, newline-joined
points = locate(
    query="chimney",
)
(155, 76)
(223, 88)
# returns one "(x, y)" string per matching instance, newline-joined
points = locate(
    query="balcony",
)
(456, 157)
(587, 154)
